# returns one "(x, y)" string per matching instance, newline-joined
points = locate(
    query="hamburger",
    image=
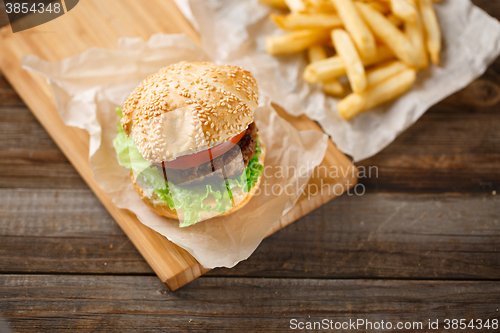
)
(188, 137)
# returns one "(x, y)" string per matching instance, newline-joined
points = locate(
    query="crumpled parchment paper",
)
(87, 89)
(235, 30)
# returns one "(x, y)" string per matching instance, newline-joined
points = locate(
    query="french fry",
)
(281, 4)
(296, 5)
(432, 30)
(301, 21)
(362, 36)
(384, 71)
(323, 70)
(352, 61)
(333, 87)
(294, 41)
(321, 6)
(382, 1)
(377, 95)
(407, 32)
(330, 87)
(388, 33)
(415, 33)
(316, 53)
(395, 20)
(404, 10)
(334, 67)
(380, 7)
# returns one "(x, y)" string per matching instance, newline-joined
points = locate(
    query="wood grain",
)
(454, 147)
(141, 304)
(373, 236)
(410, 225)
(29, 158)
(445, 150)
(8, 96)
(439, 153)
(112, 19)
(4, 19)
(491, 7)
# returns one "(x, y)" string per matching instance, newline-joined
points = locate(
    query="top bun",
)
(189, 107)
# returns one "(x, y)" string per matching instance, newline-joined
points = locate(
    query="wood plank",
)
(448, 149)
(482, 95)
(492, 7)
(393, 236)
(386, 236)
(29, 158)
(8, 96)
(439, 153)
(455, 146)
(4, 19)
(63, 231)
(61, 303)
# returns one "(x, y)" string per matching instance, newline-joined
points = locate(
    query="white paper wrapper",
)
(87, 89)
(233, 30)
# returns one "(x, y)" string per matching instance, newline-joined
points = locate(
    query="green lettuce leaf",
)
(190, 198)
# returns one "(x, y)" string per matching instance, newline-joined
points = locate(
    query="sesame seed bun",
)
(189, 107)
(240, 199)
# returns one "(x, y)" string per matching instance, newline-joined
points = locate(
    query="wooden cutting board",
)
(100, 23)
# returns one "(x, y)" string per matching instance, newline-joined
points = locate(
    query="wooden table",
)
(422, 243)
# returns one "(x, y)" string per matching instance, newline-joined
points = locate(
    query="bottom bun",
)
(239, 197)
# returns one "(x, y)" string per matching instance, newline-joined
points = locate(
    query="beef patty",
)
(234, 162)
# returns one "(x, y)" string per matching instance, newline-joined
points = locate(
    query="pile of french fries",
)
(378, 44)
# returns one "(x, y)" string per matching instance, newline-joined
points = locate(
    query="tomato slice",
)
(189, 161)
